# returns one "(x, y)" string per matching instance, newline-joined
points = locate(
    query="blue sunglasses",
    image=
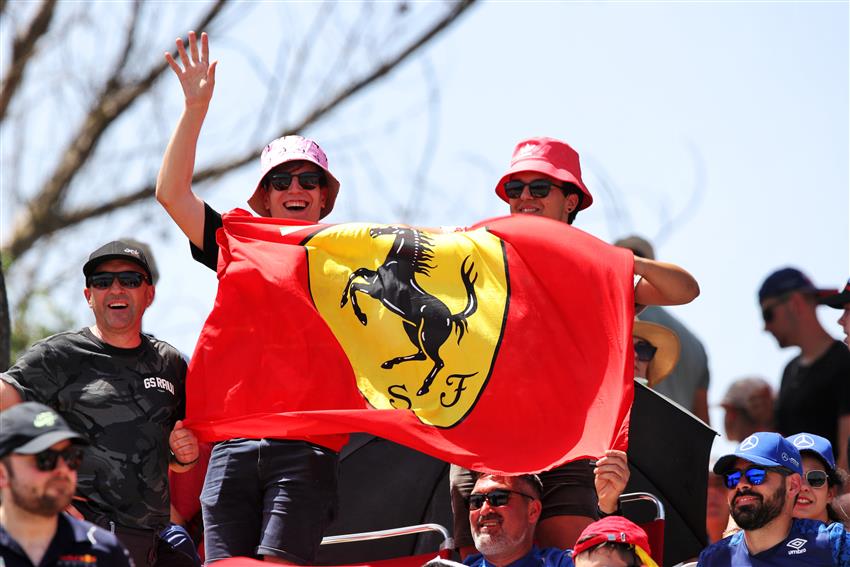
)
(755, 476)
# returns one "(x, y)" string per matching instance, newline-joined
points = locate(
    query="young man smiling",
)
(763, 480)
(125, 391)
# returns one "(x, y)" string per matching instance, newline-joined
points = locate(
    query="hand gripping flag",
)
(505, 347)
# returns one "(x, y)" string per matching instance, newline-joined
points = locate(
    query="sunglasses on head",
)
(755, 475)
(494, 498)
(538, 188)
(816, 479)
(103, 280)
(282, 180)
(47, 459)
(644, 351)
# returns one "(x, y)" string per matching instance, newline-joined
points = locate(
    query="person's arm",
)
(610, 477)
(184, 448)
(9, 396)
(174, 183)
(663, 284)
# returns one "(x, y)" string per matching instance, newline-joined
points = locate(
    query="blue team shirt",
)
(547, 557)
(809, 543)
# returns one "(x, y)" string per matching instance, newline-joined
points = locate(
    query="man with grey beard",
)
(763, 480)
(39, 457)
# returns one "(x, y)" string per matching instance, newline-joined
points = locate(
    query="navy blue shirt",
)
(75, 544)
(547, 557)
(809, 542)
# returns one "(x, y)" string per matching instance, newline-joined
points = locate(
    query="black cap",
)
(117, 250)
(839, 300)
(787, 280)
(30, 428)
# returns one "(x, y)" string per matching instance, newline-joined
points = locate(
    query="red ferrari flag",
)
(505, 347)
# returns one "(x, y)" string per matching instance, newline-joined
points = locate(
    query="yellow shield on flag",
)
(420, 315)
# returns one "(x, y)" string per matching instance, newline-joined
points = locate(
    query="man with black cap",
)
(39, 457)
(125, 391)
(763, 480)
(814, 394)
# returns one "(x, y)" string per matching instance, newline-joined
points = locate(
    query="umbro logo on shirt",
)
(796, 546)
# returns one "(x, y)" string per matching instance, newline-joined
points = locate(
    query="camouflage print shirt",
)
(126, 402)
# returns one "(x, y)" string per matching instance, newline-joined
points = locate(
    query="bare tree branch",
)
(22, 51)
(130, 36)
(44, 211)
(46, 215)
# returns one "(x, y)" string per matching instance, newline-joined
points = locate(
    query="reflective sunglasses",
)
(281, 181)
(644, 351)
(538, 188)
(755, 475)
(816, 479)
(767, 313)
(47, 459)
(494, 498)
(103, 280)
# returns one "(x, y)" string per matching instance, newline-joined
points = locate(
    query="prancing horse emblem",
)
(426, 320)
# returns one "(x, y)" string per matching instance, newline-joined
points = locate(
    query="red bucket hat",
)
(551, 157)
(293, 148)
(615, 529)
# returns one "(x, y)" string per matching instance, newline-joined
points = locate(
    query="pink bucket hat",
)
(293, 148)
(548, 156)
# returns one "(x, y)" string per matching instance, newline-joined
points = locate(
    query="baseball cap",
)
(30, 428)
(838, 300)
(819, 446)
(293, 148)
(615, 529)
(117, 250)
(787, 280)
(638, 245)
(763, 448)
(548, 156)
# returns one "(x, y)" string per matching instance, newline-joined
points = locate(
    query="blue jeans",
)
(268, 497)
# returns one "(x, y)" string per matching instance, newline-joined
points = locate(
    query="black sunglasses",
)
(644, 351)
(767, 313)
(495, 498)
(103, 280)
(282, 180)
(816, 479)
(47, 459)
(538, 188)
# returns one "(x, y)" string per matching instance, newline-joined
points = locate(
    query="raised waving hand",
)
(197, 74)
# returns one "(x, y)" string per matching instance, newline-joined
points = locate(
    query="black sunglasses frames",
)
(494, 498)
(538, 188)
(48, 459)
(129, 280)
(281, 181)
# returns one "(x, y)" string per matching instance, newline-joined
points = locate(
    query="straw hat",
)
(666, 342)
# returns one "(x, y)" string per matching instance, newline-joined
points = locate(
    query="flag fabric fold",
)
(503, 347)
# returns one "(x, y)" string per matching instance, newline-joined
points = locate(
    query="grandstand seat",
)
(654, 528)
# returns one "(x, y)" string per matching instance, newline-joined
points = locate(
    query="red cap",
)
(615, 529)
(548, 156)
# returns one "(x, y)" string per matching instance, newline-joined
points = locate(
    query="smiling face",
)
(754, 506)
(118, 310)
(811, 503)
(554, 206)
(296, 202)
(504, 533)
(41, 493)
